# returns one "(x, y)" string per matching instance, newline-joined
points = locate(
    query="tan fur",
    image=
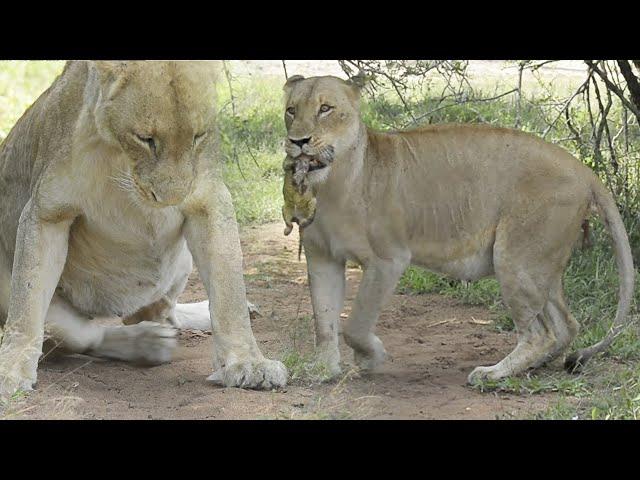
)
(99, 220)
(465, 200)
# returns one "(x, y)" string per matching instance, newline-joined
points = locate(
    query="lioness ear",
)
(359, 81)
(111, 74)
(291, 81)
(109, 69)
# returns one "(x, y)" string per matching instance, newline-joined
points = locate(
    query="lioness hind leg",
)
(529, 270)
(194, 316)
(148, 343)
(167, 311)
(535, 341)
(160, 312)
(68, 331)
(163, 310)
(546, 338)
(560, 320)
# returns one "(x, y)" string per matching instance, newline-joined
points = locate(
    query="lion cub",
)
(299, 201)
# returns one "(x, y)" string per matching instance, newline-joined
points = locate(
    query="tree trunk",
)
(632, 80)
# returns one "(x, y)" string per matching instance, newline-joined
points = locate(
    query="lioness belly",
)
(471, 267)
(468, 257)
(117, 274)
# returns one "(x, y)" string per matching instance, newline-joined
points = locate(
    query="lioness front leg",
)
(326, 281)
(378, 282)
(41, 251)
(212, 236)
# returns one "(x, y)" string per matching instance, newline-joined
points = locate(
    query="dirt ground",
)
(433, 343)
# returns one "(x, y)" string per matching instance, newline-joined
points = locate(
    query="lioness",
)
(465, 200)
(108, 184)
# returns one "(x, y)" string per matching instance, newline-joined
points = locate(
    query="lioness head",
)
(322, 116)
(161, 114)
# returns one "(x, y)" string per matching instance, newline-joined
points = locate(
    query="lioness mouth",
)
(315, 164)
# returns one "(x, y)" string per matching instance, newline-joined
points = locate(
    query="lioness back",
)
(20, 166)
(466, 174)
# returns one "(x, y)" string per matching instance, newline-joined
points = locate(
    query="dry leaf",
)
(480, 322)
(442, 322)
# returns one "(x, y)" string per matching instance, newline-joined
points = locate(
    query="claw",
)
(216, 377)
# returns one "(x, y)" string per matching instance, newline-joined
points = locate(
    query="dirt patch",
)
(433, 343)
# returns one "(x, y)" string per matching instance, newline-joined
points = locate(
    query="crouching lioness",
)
(109, 184)
(466, 200)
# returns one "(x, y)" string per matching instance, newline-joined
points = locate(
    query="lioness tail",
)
(613, 222)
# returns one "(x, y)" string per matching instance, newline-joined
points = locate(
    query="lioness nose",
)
(301, 141)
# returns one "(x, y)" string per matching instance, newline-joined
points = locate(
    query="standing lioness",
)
(465, 200)
(108, 184)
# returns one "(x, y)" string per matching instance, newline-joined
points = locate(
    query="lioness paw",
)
(328, 359)
(155, 343)
(368, 355)
(146, 343)
(11, 381)
(481, 374)
(17, 370)
(253, 374)
(367, 361)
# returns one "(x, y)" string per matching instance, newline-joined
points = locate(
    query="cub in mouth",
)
(299, 199)
(469, 201)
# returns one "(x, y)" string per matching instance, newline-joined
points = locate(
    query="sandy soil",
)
(433, 342)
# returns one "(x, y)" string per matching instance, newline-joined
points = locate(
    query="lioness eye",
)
(291, 111)
(198, 138)
(324, 108)
(149, 141)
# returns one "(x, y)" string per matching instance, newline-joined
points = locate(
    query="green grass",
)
(607, 390)
(299, 356)
(574, 386)
(10, 405)
(304, 369)
(20, 84)
(485, 292)
(252, 147)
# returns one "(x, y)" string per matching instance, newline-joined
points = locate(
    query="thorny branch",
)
(227, 74)
(463, 102)
(615, 89)
(566, 106)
